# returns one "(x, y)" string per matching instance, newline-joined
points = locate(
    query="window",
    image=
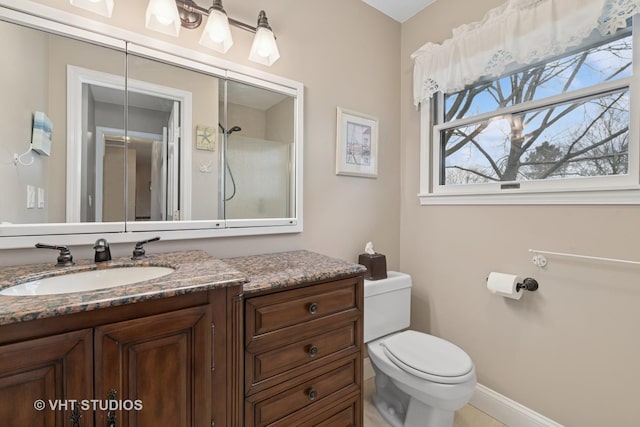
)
(560, 130)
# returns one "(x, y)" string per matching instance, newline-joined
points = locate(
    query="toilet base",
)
(420, 414)
(417, 415)
(388, 413)
(390, 401)
(401, 410)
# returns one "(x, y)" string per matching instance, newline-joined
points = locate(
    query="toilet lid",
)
(428, 357)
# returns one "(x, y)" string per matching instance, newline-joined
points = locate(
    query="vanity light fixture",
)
(166, 16)
(101, 7)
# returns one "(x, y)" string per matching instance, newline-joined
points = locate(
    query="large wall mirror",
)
(99, 135)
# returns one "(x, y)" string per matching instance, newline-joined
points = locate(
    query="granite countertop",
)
(194, 271)
(284, 269)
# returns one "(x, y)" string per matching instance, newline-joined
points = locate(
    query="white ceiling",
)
(400, 10)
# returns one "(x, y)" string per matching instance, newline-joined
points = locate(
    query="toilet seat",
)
(428, 357)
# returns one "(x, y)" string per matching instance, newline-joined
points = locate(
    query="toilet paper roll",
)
(504, 285)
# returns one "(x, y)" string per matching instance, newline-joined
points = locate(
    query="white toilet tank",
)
(387, 305)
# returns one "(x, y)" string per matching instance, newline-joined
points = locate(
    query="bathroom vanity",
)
(263, 340)
(303, 338)
(150, 342)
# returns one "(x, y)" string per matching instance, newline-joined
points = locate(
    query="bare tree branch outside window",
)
(583, 136)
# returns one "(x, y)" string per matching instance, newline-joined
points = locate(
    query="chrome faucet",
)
(103, 253)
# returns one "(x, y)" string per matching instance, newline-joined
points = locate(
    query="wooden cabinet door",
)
(55, 372)
(163, 362)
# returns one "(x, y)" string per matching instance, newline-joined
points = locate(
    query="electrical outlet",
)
(31, 197)
(40, 198)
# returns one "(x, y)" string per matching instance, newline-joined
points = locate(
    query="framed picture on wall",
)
(356, 144)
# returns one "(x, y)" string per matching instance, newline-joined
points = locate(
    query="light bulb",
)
(264, 49)
(216, 34)
(219, 29)
(101, 7)
(162, 16)
(163, 20)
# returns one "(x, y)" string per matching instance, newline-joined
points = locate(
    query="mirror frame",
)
(41, 17)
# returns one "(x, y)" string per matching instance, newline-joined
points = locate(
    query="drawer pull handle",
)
(313, 308)
(313, 350)
(312, 394)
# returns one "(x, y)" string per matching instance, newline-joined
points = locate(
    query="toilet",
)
(421, 380)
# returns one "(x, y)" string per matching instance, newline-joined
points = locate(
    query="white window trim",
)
(623, 190)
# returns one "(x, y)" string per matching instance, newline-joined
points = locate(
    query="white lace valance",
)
(519, 31)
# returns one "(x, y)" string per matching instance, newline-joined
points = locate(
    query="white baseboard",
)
(495, 405)
(508, 411)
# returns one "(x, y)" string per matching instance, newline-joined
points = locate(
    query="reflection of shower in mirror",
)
(226, 161)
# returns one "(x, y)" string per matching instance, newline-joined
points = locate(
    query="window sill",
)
(621, 196)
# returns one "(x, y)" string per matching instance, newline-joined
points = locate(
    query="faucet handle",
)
(64, 259)
(138, 251)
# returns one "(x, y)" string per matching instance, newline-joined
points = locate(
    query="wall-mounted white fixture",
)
(539, 256)
(17, 158)
(101, 7)
(166, 16)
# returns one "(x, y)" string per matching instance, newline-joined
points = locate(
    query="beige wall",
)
(570, 350)
(346, 54)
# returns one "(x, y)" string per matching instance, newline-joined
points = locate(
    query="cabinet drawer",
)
(269, 363)
(271, 312)
(345, 417)
(346, 414)
(309, 394)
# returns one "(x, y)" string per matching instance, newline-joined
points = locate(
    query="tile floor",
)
(466, 417)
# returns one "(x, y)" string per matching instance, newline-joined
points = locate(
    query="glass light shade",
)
(264, 49)
(101, 7)
(162, 16)
(216, 34)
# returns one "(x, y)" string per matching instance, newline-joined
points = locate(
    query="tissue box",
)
(376, 266)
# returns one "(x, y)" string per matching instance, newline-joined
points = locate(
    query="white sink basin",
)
(87, 281)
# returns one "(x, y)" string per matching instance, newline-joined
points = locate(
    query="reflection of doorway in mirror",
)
(146, 200)
(172, 167)
(113, 192)
(154, 113)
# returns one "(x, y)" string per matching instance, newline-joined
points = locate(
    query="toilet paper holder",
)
(528, 284)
